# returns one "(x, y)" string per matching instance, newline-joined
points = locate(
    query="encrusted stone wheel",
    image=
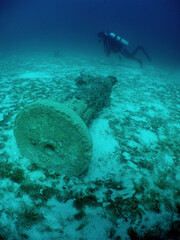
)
(54, 137)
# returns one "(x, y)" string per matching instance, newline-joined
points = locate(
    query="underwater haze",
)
(89, 119)
(72, 24)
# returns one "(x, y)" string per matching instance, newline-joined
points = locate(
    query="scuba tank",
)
(120, 39)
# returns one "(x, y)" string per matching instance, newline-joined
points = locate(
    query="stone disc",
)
(54, 137)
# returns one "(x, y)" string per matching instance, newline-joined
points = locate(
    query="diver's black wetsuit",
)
(115, 44)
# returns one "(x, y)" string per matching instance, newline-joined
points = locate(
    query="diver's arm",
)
(107, 47)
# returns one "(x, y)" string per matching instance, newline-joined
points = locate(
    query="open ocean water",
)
(130, 188)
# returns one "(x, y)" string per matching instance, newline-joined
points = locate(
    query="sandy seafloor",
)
(132, 187)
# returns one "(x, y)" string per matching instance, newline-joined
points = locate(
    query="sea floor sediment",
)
(131, 189)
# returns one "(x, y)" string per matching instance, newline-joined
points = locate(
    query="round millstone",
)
(54, 137)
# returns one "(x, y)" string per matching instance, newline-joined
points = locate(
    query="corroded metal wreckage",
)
(55, 135)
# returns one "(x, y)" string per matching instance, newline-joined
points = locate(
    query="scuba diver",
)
(116, 44)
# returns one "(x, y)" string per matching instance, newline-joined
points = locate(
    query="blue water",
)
(71, 23)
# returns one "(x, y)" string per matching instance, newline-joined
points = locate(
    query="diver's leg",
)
(137, 60)
(146, 54)
(130, 55)
(126, 53)
(107, 48)
(140, 48)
